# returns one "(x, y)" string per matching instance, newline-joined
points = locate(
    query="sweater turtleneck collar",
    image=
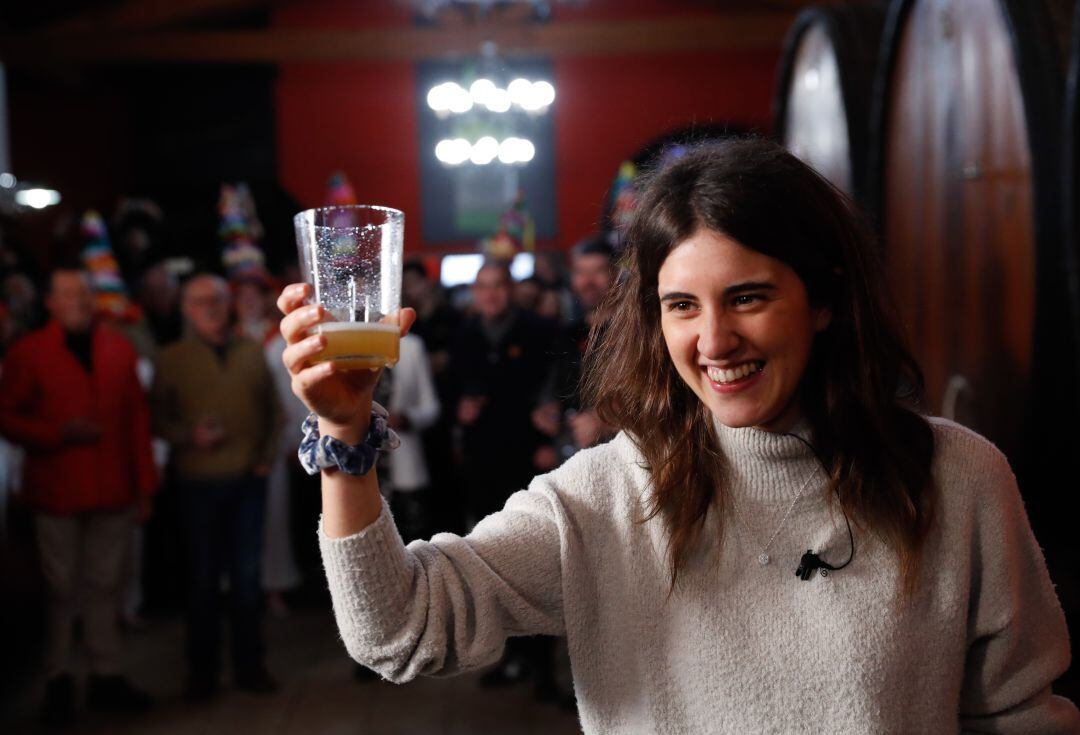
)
(766, 466)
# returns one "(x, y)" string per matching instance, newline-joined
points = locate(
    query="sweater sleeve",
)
(448, 605)
(1017, 640)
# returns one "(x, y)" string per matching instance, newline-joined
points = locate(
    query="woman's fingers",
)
(299, 318)
(296, 355)
(304, 382)
(292, 296)
(408, 317)
(294, 325)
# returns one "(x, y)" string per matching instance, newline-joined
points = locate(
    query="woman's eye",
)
(746, 299)
(680, 306)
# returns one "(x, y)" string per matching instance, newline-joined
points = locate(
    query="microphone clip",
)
(808, 564)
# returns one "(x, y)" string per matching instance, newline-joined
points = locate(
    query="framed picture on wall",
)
(486, 138)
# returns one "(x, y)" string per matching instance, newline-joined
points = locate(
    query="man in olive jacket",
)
(214, 402)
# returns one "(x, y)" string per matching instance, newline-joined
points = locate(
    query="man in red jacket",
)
(70, 396)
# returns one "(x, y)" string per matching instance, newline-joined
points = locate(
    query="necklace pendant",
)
(763, 558)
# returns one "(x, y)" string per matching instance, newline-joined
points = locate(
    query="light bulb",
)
(499, 100)
(519, 90)
(480, 91)
(484, 151)
(37, 198)
(438, 98)
(544, 93)
(460, 99)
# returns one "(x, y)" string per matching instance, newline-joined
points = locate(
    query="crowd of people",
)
(185, 415)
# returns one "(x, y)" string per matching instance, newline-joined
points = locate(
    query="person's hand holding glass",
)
(344, 323)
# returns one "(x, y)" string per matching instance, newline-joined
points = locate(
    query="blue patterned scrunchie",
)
(317, 453)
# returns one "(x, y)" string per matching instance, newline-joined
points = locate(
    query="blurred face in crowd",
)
(136, 240)
(205, 305)
(251, 303)
(591, 276)
(414, 288)
(526, 294)
(491, 292)
(71, 301)
(158, 292)
(547, 305)
(739, 328)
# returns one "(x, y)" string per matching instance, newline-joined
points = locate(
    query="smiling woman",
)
(739, 328)
(757, 271)
(760, 385)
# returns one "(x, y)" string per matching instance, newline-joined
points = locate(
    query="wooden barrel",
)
(822, 103)
(967, 115)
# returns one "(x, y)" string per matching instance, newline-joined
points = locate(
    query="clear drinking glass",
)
(352, 257)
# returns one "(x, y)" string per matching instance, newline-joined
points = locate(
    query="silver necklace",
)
(764, 558)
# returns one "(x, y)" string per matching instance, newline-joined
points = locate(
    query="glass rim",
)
(299, 217)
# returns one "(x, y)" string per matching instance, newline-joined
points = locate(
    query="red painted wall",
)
(361, 117)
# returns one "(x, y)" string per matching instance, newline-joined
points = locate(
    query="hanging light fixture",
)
(450, 98)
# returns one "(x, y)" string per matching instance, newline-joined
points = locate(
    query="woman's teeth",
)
(720, 375)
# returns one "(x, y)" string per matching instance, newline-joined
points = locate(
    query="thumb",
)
(408, 318)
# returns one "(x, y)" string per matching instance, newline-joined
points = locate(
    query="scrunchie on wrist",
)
(317, 452)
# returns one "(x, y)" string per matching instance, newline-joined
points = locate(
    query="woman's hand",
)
(340, 398)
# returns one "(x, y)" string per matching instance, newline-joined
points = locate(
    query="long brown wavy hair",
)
(861, 386)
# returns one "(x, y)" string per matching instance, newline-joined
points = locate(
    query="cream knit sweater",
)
(740, 647)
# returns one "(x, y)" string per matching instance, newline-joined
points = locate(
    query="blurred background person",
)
(437, 322)
(71, 397)
(593, 272)
(280, 571)
(20, 298)
(527, 293)
(414, 407)
(214, 401)
(533, 295)
(256, 320)
(550, 270)
(139, 237)
(255, 312)
(158, 294)
(436, 319)
(500, 362)
(562, 417)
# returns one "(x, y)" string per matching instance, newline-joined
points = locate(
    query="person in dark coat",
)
(500, 361)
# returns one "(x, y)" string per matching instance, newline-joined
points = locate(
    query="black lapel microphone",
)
(811, 562)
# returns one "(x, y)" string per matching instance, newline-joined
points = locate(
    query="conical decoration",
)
(239, 231)
(339, 191)
(110, 293)
(623, 197)
(516, 233)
